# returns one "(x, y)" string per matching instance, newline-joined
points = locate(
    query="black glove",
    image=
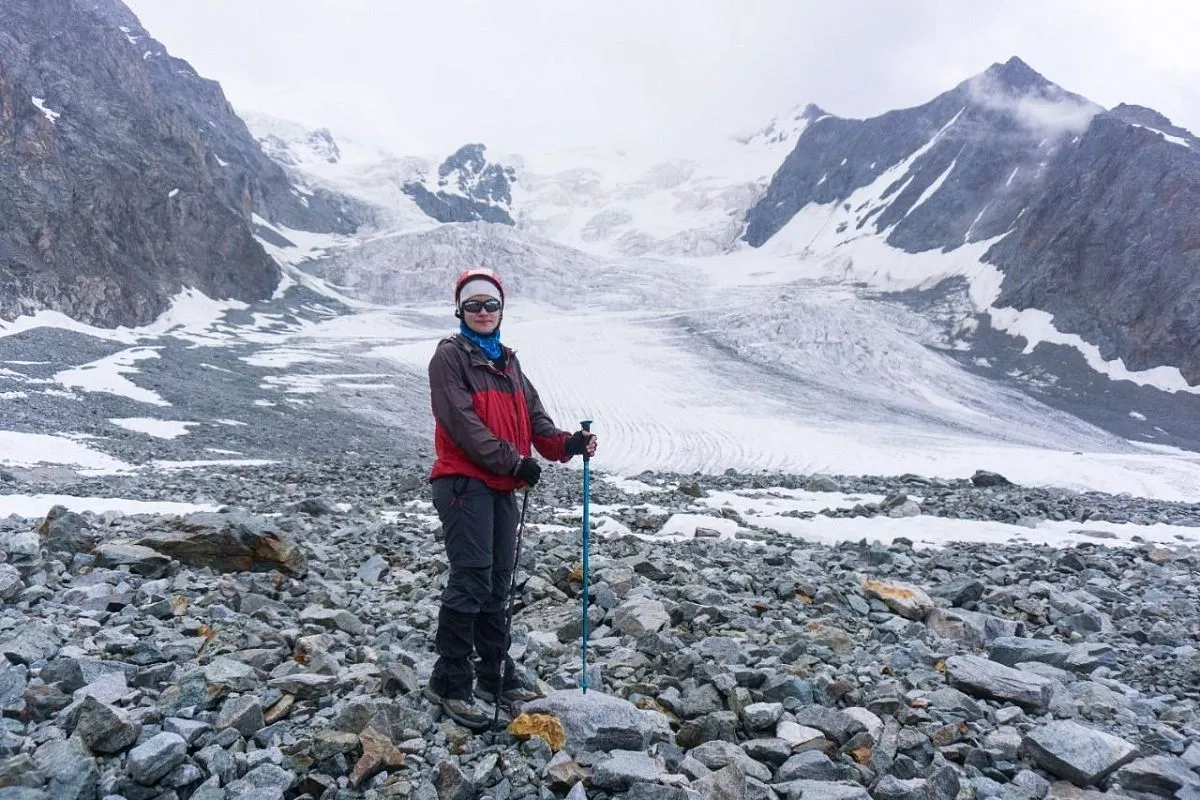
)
(529, 470)
(577, 443)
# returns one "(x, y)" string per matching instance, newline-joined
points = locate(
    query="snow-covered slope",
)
(647, 230)
(420, 268)
(614, 203)
(363, 171)
(629, 204)
(745, 377)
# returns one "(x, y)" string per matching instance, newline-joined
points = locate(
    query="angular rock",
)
(263, 781)
(1086, 656)
(31, 641)
(189, 729)
(761, 716)
(453, 784)
(623, 768)
(959, 591)
(639, 616)
(821, 483)
(910, 602)
(719, 725)
(227, 542)
(316, 506)
(378, 753)
(562, 772)
(1037, 786)
(23, 793)
(243, 714)
(1191, 757)
(717, 754)
(372, 569)
(892, 788)
(1012, 650)
(981, 677)
(770, 751)
(13, 680)
(155, 757)
(1080, 754)
(10, 582)
(65, 531)
(140, 560)
(820, 790)
(727, 783)
(836, 726)
(908, 508)
(210, 790)
(780, 687)
(73, 773)
(338, 618)
(103, 728)
(970, 627)
(329, 743)
(812, 765)
(1157, 775)
(217, 761)
(304, 685)
(184, 775)
(795, 734)
(943, 784)
(872, 724)
(983, 478)
(234, 675)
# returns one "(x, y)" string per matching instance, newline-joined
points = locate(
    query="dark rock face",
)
(125, 175)
(993, 129)
(469, 189)
(1111, 247)
(1099, 207)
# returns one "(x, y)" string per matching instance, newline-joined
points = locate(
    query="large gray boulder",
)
(227, 542)
(983, 678)
(1082, 755)
(595, 721)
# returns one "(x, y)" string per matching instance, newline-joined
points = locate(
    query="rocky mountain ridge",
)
(1094, 211)
(126, 176)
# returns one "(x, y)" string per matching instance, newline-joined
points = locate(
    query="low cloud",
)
(1046, 110)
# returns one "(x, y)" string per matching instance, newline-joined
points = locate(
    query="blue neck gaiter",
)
(490, 344)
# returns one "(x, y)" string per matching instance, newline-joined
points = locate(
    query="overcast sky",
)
(523, 75)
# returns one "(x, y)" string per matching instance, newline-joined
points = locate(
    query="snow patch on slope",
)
(635, 204)
(419, 269)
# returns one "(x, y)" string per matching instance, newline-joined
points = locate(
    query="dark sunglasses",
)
(475, 306)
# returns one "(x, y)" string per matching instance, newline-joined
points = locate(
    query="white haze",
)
(1045, 115)
(528, 76)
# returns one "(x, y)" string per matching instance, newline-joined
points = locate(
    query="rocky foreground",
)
(276, 648)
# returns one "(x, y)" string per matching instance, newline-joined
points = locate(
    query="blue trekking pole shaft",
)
(586, 425)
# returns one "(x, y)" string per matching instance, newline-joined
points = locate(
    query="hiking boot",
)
(511, 699)
(464, 712)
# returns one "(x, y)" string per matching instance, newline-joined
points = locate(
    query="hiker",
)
(487, 420)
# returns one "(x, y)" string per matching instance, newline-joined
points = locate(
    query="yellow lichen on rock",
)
(549, 728)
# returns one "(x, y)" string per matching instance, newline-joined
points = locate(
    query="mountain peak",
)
(1016, 90)
(1016, 74)
(784, 129)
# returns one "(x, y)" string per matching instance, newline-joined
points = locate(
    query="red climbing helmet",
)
(467, 276)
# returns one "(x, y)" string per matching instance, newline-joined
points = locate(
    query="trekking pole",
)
(512, 593)
(586, 425)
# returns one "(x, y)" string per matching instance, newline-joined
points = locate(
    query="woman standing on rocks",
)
(487, 421)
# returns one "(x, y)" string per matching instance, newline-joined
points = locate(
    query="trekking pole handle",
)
(586, 425)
